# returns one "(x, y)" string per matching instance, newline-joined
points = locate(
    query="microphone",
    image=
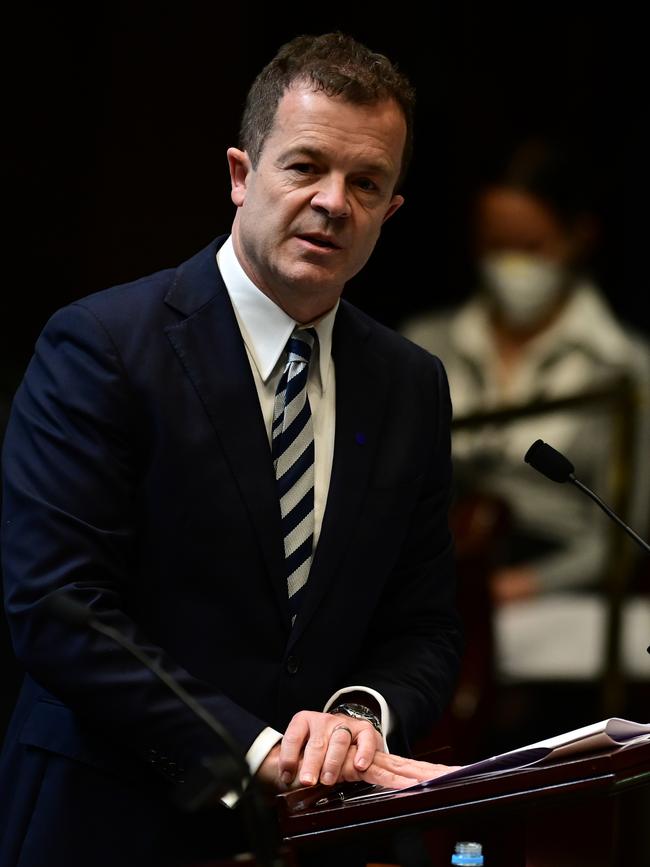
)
(226, 772)
(552, 464)
(234, 771)
(546, 460)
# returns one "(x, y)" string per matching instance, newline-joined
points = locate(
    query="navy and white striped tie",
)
(293, 459)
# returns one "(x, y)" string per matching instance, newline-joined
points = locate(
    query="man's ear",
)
(240, 167)
(395, 204)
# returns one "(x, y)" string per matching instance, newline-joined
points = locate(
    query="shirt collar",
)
(265, 327)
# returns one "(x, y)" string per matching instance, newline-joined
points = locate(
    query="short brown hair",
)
(335, 64)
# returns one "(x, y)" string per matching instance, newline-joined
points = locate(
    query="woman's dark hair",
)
(556, 173)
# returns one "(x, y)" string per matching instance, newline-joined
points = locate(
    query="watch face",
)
(358, 711)
(363, 714)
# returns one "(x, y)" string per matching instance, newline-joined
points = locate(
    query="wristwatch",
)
(357, 711)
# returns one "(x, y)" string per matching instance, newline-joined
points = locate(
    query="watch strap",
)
(357, 711)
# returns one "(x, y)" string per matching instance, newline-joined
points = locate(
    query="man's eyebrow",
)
(372, 166)
(302, 151)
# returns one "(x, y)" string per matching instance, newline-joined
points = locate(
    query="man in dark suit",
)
(310, 612)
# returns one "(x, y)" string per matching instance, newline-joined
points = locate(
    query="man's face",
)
(311, 212)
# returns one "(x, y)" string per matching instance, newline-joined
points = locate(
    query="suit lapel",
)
(362, 379)
(210, 348)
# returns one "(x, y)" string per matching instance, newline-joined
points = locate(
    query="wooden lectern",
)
(589, 811)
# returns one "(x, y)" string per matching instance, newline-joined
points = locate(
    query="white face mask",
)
(522, 286)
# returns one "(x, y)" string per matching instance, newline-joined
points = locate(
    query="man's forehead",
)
(308, 117)
(307, 94)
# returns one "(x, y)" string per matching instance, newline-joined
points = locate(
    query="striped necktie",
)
(293, 459)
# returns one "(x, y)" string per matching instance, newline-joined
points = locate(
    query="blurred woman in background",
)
(539, 329)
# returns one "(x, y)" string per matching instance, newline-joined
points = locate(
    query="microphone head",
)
(61, 606)
(549, 462)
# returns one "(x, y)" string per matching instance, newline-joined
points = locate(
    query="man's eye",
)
(367, 185)
(303, 168)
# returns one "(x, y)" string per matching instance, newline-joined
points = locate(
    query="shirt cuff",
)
(386, 720)
(257, 752)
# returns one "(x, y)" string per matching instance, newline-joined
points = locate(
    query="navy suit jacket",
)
(138, 479)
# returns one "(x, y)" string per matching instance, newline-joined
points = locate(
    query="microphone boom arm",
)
(611, 513)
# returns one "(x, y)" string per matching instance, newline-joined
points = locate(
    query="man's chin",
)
(314, 280)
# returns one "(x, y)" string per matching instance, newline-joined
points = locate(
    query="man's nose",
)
(331, 198)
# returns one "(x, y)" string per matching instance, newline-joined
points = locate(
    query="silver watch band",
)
(357, 711)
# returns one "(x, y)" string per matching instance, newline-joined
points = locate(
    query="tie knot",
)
(300, 345)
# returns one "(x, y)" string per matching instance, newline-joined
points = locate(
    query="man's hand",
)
(268, 772)
(386, 770)
(396, 772)
(315, 748)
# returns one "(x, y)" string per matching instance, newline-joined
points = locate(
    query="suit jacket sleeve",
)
(72, 461)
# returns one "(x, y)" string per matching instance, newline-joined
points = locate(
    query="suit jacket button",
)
(292, 665)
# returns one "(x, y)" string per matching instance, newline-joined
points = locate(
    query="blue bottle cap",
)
(468, 855)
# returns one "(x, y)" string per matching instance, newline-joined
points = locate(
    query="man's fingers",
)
(387, 779)
(328, 748)
(366, 748)
(291, 746)
(339, 745)
(316, 746)
(348, 773)
(421, 770)
(314, 755)
(399, 767)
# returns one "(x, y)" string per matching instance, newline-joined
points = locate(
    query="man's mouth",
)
(320, 241)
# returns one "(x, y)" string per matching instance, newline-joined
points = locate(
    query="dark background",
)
(117, 120)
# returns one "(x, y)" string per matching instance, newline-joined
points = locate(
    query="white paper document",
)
(606, 734)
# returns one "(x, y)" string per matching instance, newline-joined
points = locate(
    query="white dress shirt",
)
(265, 329)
